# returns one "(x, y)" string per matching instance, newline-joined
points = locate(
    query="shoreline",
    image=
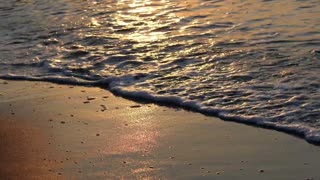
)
(93, 133)
(290, 129)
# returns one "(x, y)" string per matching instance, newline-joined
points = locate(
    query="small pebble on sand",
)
(86, 102)
(97, 134)
(261, 170)
(103, 106)
(62, 122)
(5, 82)
(135, 106)
(90, 98)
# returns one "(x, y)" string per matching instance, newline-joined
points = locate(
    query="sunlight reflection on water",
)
(253, 61)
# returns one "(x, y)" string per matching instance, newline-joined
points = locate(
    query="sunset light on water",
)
(185, 69)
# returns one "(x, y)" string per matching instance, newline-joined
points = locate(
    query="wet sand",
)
(50, 131)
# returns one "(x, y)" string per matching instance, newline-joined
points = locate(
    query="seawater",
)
(255, 62)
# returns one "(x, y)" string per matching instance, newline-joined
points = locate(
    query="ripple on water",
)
(249, 61)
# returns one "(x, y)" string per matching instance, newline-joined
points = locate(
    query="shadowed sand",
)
(50, 131)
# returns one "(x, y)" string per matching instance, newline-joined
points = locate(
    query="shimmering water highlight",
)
(251, 61)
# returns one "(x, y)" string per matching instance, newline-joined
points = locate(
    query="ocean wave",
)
(244, 61)
(114, 85)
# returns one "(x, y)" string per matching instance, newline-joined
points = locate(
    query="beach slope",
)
(50, 131)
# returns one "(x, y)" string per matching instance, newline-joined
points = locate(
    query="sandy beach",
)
(50, 131)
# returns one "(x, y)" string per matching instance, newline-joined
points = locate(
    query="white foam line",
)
(114, 84)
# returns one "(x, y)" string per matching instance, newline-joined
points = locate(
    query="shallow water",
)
(248, 61)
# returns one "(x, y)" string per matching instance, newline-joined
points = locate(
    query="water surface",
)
(248, 61)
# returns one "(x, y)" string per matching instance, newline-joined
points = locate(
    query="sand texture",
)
(50, 131)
